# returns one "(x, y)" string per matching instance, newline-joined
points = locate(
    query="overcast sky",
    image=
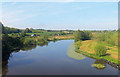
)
(61, 15)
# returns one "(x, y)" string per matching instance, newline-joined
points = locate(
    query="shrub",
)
(29, 41)
(100, 49)
(109, 38)
(42, 41)
(45, 37)
(102, 37)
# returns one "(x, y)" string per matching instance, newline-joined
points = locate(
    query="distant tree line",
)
(11, 30)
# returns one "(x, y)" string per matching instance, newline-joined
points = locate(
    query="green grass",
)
(97, 57)
(45, 33)
(107, 57)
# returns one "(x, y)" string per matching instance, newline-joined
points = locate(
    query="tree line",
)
(18, 40)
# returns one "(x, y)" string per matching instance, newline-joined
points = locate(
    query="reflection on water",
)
(58, 58)
(98, 64)
(43, 44)
(4, 67)
(6, 57)
(30, 47)
(73, 54)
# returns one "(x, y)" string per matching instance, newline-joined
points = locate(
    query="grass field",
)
(87, 48)
(45, 33)
(89, 45)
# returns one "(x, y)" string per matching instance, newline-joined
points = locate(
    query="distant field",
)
(45, 33)
(48, 33)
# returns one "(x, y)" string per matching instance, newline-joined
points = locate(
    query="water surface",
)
(56, 58)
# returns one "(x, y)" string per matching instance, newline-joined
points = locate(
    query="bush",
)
(109, 38)
(45, 37)
(29, 41)
(100, 49)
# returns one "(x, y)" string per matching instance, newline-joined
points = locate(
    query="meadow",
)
(108, 40)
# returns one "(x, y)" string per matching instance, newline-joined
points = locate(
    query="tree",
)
(78, 35)
(28, 30)
(100, 49)
(87, 35)
(23, 34)
(82, 35)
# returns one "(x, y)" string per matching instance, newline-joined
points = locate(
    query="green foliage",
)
(100, 49)
(27, 30)
(102, 37)
(23, 34)
(87, 35)
(82, 35)
(29, 41)
(9, 43)
(36, 31)
(42, 41)
(77, 45)
(9, 30)
(107, 57)
(109, 38)
(45, 37)
(78, 35)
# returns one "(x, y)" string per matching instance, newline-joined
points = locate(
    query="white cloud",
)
(14, 17)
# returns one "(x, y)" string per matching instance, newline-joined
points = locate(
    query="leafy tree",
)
(100, 49)
(87, 35)
(27, 30)
(82, 35)
(11, 30)
(23, 34)
(29, 41)
(109, 37)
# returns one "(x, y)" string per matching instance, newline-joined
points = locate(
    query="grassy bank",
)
(87, 48)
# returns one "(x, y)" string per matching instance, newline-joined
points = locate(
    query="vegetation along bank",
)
(99, 45)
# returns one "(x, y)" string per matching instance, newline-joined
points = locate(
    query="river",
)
(56, 58)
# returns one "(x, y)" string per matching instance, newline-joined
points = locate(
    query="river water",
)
(56, 58)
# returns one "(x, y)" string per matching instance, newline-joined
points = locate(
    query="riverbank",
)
(29, 41)
(87, 48)
(61, 37)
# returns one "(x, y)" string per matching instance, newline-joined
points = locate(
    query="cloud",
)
(14, 16)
